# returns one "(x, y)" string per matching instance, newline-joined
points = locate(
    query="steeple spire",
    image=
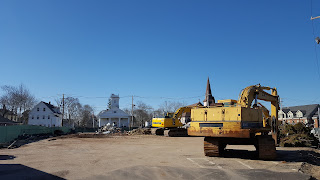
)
(209, 99)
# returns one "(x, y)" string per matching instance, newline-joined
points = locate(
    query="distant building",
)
(45, 114)
(6, 122)
(114, 115)
(209, 99)
(186, 116)
(8, 114)
(307, 114)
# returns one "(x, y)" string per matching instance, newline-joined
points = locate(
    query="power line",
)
(314, 37)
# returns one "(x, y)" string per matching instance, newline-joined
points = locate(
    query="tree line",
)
(18, 101)
(144, 113)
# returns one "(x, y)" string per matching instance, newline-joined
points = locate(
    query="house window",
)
(32, 117)
(44, 109)
(38, 109)
(114, 111)
(37, 117)
(43, 117)
(48, 116)
(114, 101)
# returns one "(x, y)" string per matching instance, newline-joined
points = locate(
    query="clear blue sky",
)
(153, 49)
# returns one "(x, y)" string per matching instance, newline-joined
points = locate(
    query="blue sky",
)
(154, 49)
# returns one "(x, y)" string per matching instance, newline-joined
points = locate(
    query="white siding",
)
(46, 116)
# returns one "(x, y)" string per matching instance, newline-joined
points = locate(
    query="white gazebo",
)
(114, 115)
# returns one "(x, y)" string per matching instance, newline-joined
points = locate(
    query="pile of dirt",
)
(140, 131)
(297, 135)
(25, 139)
(311, 170)
(299, 140)
(311, 163)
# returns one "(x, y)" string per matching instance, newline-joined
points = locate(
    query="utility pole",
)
(132, 113)
(93, 119)
(317, 39)
(281, 103)
(62, 106)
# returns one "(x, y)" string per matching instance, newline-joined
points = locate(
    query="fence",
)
(9, 133)
(316, 132)
(85, 129)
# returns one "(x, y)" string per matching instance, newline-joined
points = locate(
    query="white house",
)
(114, 115)
(45, 114)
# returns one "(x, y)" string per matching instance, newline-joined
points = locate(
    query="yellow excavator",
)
(238, 122)
(170, 124)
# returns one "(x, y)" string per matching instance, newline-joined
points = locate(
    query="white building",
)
(114, 115)
(307, 114)
(45, 114)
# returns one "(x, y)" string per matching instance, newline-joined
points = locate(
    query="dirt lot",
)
(149, 157)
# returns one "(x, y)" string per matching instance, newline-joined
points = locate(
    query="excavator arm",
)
(180, 111)
(252, 93)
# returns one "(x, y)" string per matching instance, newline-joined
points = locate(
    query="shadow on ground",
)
(6, 157)
(19, 171)
(190, 173)
(307, 156)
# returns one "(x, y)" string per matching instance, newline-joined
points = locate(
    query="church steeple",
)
(209, 99)
(114, 101)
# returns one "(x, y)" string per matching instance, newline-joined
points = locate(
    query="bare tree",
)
(109, 103)
(142, 113)
(170, 106)
(72, 109)
(18, 99)
(87, 117)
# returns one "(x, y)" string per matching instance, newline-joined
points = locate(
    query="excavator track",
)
(213, 147)
(177, 132)
(157, 131)
(266, 147)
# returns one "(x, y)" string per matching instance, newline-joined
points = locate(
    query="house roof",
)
(52, 107)
(286, 110)
(4, 120)
(195, 104)
(307, 110)
(8, 112)
(113, 113)
(303, 111)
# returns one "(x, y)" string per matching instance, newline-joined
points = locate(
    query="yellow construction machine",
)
(238, 122)
(170, 124)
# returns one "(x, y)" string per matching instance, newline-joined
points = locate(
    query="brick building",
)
(306, 114)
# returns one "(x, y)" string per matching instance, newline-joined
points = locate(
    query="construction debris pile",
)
(109, 129)
(25, 139)
(297, 135)
(140, 131)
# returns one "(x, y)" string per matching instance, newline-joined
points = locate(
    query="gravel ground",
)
(149, 157)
